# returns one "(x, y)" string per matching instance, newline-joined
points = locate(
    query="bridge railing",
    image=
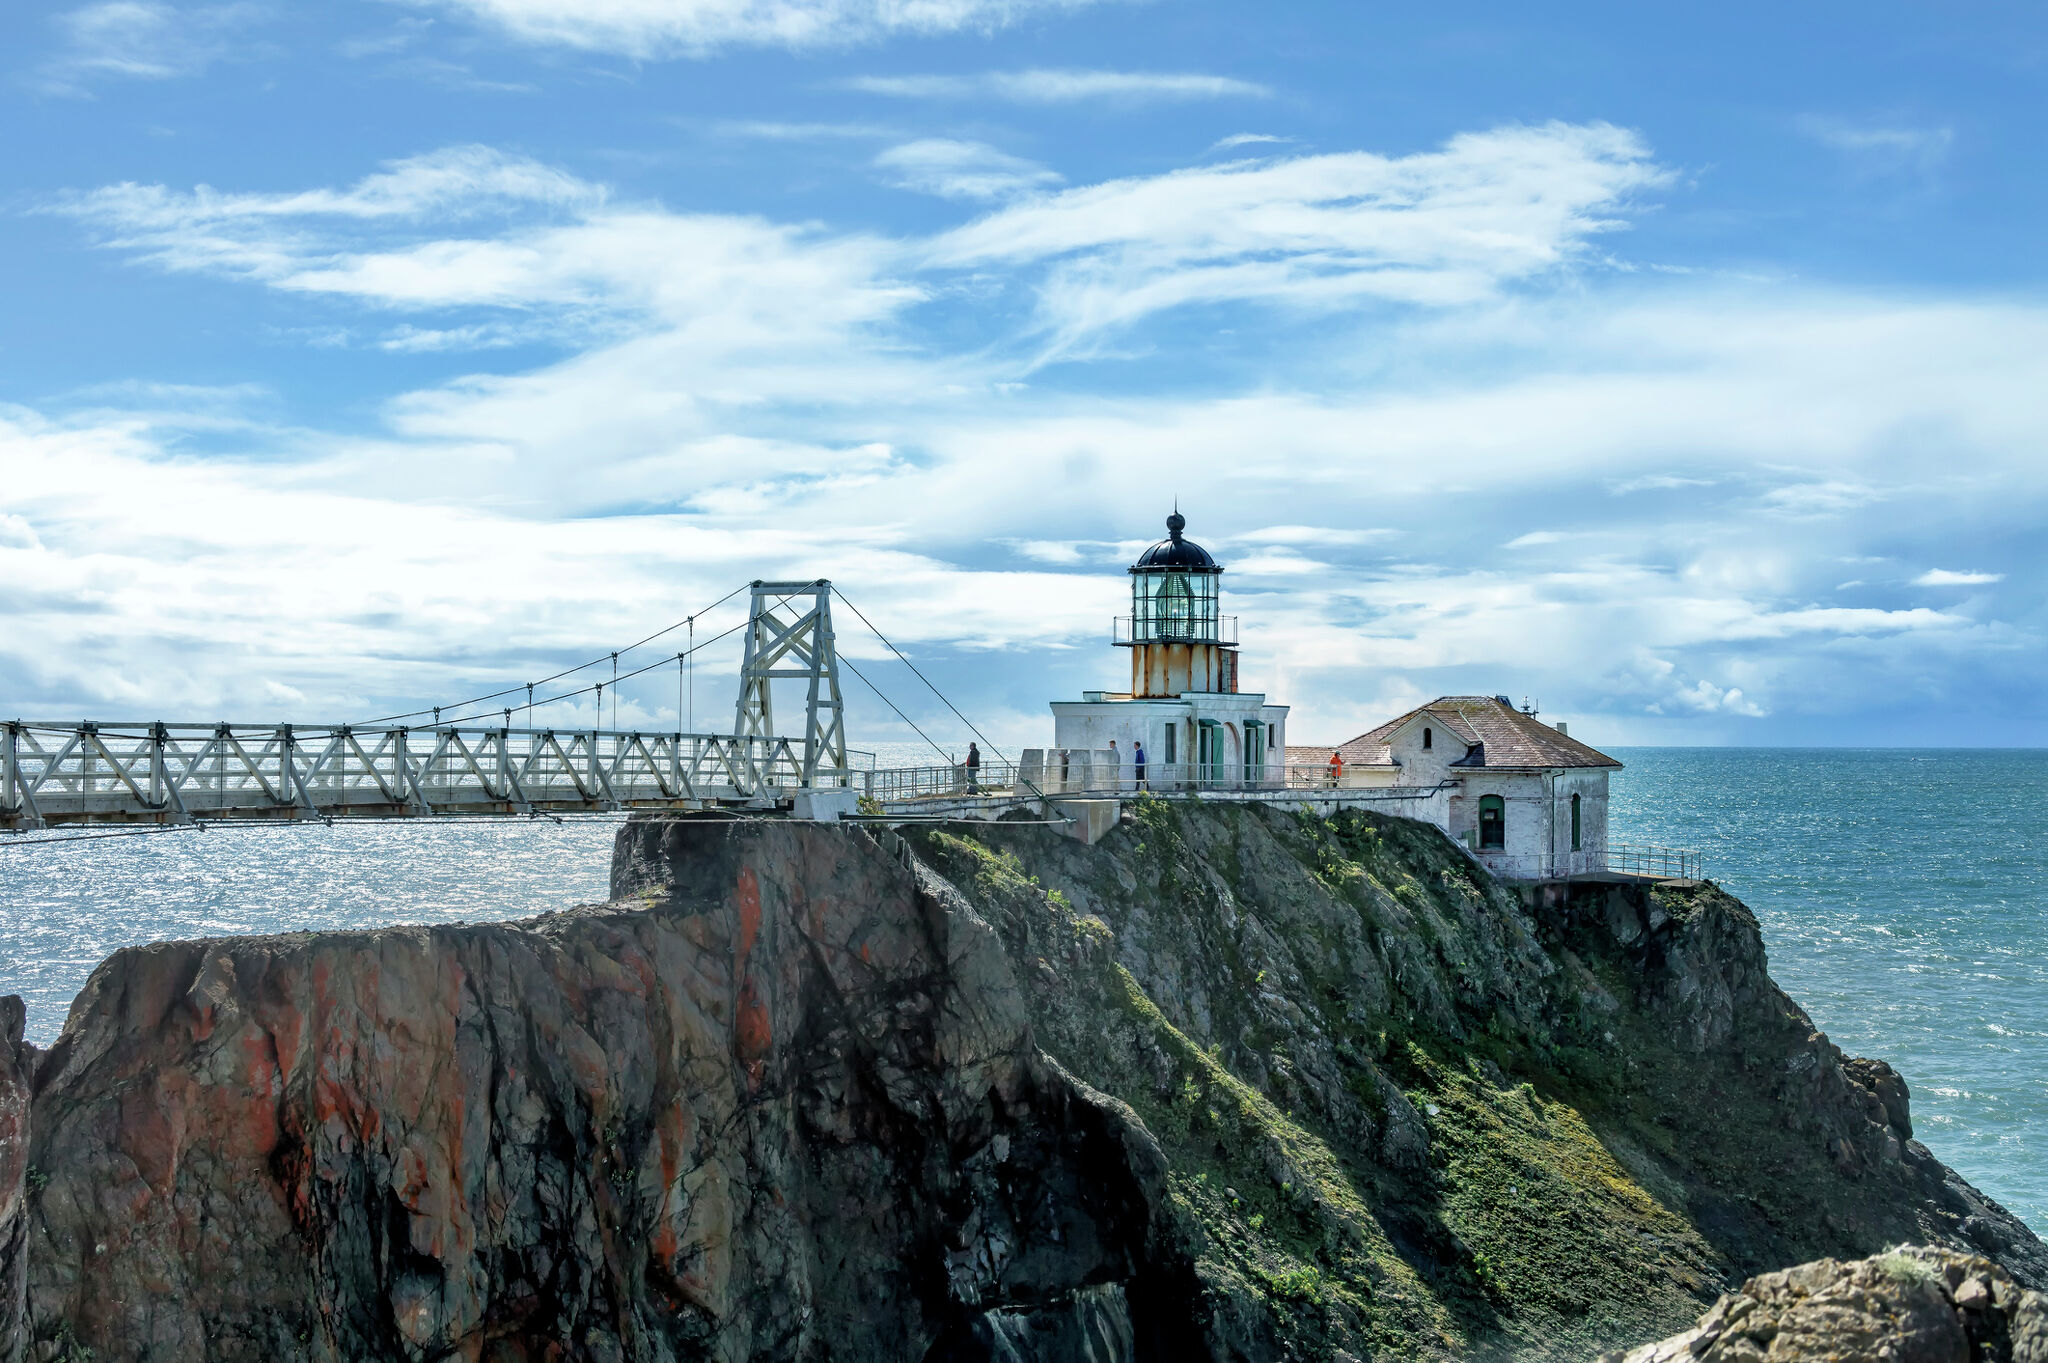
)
(182, 771)
(1075, 773)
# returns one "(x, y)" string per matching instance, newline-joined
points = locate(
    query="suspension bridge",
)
(470, 758)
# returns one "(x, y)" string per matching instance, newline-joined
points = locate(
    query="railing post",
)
(11, 789)
(157, 781)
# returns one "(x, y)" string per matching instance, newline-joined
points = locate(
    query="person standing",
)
(973, 769)
(1116, 767)
(1138, 759)
(1336, 768)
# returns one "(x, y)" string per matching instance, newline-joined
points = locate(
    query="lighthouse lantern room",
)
(1179, 641)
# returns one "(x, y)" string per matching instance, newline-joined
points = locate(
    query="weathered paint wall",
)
(1165, 670)
(1538, 810)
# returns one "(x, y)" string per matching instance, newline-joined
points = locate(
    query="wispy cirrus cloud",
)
(1881, 147)
(1945, 577)
(956, 169)
(1319, 232)
(1443, 227)
(770, 130)
(1236, 140)
(143, 40)
(281, 238)
(652, 29)
(1062, 86)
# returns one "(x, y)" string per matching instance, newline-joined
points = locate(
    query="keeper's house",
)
(1526, 797)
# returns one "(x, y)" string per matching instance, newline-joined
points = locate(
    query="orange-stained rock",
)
(744, 1115)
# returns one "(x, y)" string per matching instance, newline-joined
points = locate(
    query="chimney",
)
(1561, 729)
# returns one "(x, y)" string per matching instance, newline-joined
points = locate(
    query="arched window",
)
(1575, 823)
(1493, 823)
(1426, 736)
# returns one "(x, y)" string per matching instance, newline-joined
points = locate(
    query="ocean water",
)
(1902, 893)
(1904, 901)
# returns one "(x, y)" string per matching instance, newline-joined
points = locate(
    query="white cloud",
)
(276, 237)
(1536, 538)
(1309, 534)
(1658, 482)
(143, 40)
(1884, 147)
(667, 28)
(1943, 577)
(17, 533)
(801, 132)
(453, 76)
(400, 36)
(1236, 140)
(1064, 87)
(961, 170)
(1820, 499)
(747, 398)
(1452, 226)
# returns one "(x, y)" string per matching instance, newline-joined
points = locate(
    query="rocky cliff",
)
(1908, 1305)
(1234, 1083)
(16, 1062)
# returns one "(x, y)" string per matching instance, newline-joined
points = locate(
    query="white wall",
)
(1095, 724)
(1538, 811)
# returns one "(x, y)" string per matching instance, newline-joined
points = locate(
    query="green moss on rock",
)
(1408, 1113)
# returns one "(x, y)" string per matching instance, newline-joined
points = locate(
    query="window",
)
(1575, 823)
(1172, 732)
(1493, 823)
(1175, 612)
(1426, 736)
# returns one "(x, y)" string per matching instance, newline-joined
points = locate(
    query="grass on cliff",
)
(1542, 1223)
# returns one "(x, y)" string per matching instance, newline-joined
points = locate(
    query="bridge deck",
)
(175, 773)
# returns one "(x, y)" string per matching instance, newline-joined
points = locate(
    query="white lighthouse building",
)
(1183, 710)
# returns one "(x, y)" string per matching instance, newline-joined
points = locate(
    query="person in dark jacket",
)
(1138, 757)
(973, 769)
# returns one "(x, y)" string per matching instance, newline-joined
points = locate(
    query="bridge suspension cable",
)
(529, 686)
(898, 709)
(920, 676)
(597, 687)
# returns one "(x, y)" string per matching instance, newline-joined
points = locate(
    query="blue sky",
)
(1685, 372)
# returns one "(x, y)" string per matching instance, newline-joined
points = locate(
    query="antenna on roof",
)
(1527, 708)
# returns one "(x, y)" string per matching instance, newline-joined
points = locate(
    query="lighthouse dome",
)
(1176, 552)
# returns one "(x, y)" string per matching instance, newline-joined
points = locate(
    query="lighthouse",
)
(1178, 638)
(1183, 709)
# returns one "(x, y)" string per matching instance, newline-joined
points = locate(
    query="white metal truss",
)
(177, 773)
(789, 638)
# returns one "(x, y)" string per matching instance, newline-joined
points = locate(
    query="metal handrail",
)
(1628, 859)
(1078, 776)
(1124, 631)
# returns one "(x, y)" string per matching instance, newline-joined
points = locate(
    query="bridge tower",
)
(788, 641)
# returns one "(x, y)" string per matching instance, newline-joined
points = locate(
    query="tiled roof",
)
(1511, 738)
(1306, 757)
